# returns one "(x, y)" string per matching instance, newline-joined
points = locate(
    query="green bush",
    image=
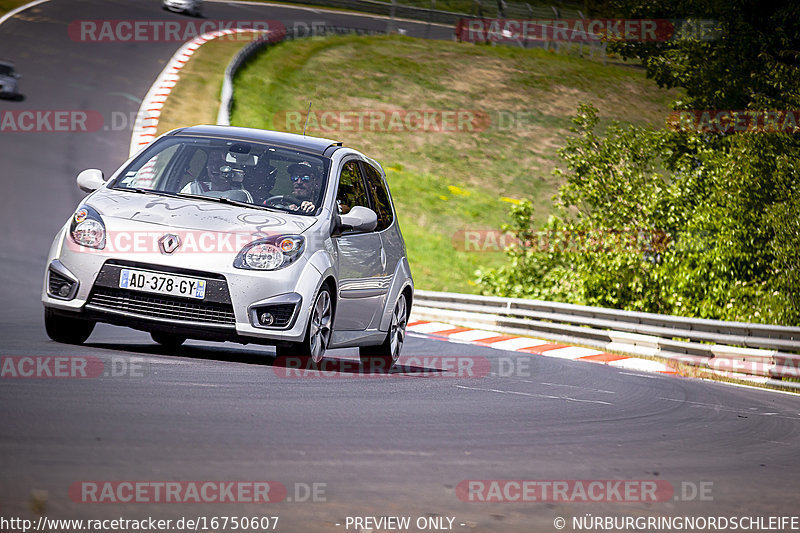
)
(692, 224)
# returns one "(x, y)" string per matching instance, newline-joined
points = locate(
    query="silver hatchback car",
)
(236, 234)
(193, 7)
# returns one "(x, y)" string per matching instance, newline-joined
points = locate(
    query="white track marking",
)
(533, 395)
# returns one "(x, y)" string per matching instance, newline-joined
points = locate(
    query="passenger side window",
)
(379, 196)
(351, 189)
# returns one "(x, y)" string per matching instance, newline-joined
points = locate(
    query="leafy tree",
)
(662, 221)
(748, 57)
(710, 221)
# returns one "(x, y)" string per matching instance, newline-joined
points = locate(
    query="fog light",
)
(64, 290)
(266, 319)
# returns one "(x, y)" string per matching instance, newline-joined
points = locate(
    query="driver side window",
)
(351, 189)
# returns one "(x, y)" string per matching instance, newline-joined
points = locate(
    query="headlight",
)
(87, 228)
(270, 253)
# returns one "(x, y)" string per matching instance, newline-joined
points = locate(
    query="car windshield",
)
(6, 70)
(230, 171)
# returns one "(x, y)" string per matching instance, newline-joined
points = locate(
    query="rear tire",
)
(65, 329)
(167, 340)
(385, 355)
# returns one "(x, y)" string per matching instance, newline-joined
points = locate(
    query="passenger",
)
(214, 178)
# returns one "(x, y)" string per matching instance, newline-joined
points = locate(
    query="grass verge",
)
(8, 5)
(195, 99)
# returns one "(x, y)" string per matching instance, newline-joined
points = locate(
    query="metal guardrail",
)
(738, 347)
(431, 14)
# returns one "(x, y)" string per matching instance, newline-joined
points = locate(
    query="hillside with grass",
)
(446, 182)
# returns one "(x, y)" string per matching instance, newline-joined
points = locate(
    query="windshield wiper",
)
(146, 191)
(220, 199)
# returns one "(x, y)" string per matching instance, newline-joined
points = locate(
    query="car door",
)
(361, 260)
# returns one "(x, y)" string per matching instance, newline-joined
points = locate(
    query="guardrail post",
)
(430, 19)
(390, 24)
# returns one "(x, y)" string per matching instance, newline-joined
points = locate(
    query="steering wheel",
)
(282, 200)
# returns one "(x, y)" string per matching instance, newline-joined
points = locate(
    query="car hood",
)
(189, 213)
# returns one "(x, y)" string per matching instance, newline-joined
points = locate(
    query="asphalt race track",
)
(374, 445)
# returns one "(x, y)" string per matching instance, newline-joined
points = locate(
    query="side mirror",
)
(17, 75)
(359, 219)
(90, 180)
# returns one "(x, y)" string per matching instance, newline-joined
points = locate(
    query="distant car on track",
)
(9, 84)
(238, 234)
(193, 7)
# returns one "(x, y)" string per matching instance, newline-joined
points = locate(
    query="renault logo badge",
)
(169, 243)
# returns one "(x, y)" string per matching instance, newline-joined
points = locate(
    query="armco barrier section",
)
(745, 348)
(430, 14)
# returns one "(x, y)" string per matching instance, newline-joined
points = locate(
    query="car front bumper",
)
(234, 300)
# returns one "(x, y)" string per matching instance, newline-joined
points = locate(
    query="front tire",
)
(65, 329)
(385, 355)
(318, 332)
(167, 340)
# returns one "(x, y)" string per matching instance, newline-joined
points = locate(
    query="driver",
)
(305, 186)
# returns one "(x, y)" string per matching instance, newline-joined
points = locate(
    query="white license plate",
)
(142, 280)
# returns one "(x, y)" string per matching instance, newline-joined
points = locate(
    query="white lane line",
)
(19, 9)
(473, 335)
(717, 407)
(532, 395)
(573, 387)
(645, 365)
(640, 375)
(189, 384)
(571, 352)
(430, 327)
(519, 343)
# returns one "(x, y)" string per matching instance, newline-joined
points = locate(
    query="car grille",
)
(283, 314)
(161, 307)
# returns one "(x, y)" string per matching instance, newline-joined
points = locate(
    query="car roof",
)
(317, 145)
